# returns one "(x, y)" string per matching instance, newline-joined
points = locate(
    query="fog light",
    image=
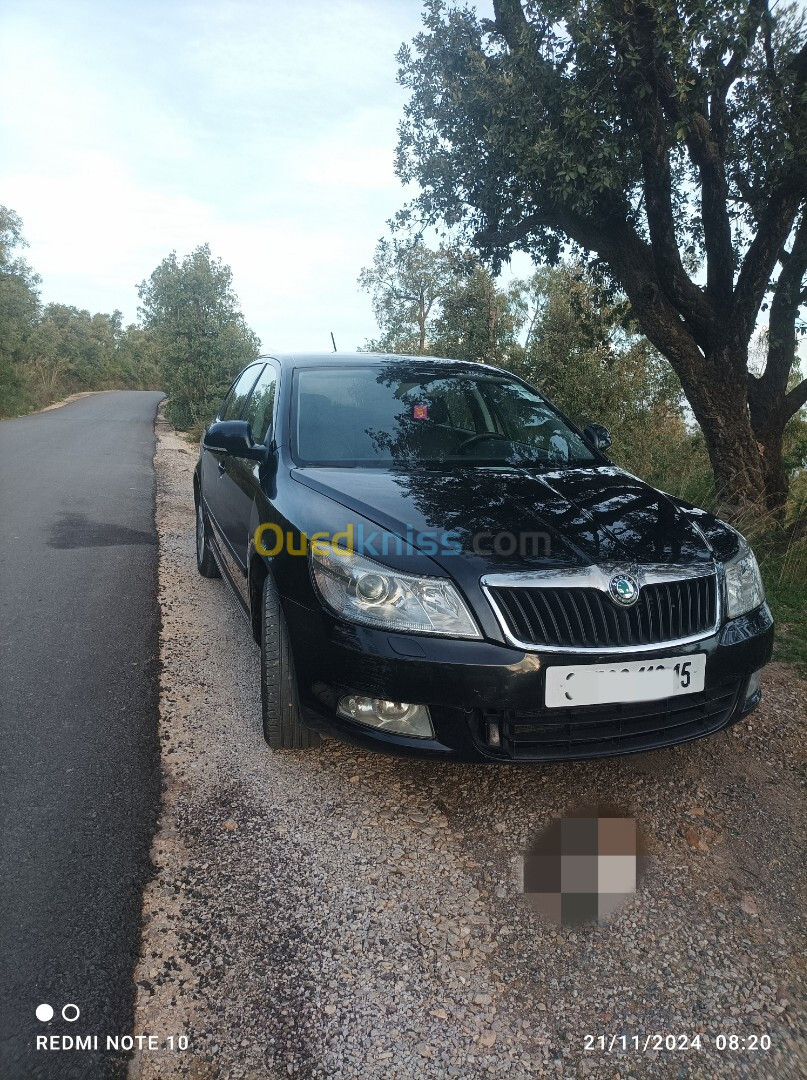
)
(494, 734)
(754, 690)
(396, 717)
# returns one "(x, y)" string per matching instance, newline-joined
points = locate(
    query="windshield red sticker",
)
(421, 412)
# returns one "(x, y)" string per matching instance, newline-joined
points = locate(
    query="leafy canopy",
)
(546, 111)
(439, 302)
(203, 340)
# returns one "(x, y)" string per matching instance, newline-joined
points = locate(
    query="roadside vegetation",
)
(190, 340)
(49, 351)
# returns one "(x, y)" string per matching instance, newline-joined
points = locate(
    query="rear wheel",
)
(205, 562)
(282, 727)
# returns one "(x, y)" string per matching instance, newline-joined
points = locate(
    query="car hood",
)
(559, 518)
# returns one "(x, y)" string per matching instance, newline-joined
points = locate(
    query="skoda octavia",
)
(435, 561)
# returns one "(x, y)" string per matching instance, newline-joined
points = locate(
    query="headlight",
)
(367, 592)
(744, 590)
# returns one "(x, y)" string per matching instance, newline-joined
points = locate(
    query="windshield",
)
(403, 415)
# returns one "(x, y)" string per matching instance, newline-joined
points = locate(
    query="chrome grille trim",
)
(598, 577)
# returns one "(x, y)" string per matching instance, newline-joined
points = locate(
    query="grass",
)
(788, 602)
(783, 564)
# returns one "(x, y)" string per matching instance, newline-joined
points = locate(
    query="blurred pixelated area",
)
(584, 866)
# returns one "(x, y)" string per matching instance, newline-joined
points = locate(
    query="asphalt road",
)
(79, 762)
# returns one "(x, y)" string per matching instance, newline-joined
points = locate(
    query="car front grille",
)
(587, 618)
(603, 730)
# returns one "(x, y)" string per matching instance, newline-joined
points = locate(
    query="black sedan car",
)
(435, 561)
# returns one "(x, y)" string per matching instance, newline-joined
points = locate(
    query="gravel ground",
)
(334, 913)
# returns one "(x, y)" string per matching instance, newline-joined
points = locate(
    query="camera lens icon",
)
(70, 1012)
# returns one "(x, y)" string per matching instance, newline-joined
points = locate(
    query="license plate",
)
(635, 680)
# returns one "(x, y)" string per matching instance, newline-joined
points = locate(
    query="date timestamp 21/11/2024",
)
(615, 1043)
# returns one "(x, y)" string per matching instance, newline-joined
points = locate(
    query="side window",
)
(261, 404)
(234, 402)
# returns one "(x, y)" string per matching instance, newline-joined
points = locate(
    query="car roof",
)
(361, 359)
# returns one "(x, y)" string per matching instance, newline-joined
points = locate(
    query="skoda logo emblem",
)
(624, 589)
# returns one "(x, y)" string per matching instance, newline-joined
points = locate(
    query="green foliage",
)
(546, 107)
(478, 321)
(15, 397)
(201, 337)
(784, 572)
(192, 341)
(71, 348)
(48, 353)
(137, 360)
(19, 309)
(439, 302)
(585, 354)
(407, 282)
(780, 546)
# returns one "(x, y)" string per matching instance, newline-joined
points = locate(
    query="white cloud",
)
(265, 129)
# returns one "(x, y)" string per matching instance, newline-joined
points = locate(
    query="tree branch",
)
(775, 224)
(796, 399)
(732, 69)
(653, 136)
(632, 263)
(768, 391)
(704, 153)
(695, 309)
(510, 21)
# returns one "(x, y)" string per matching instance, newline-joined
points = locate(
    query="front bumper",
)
(486, 699)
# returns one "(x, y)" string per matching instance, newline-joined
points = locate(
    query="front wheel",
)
(205, 563)
(280, 708)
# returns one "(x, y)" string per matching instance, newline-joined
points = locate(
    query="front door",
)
(244, 474)
(217, 469)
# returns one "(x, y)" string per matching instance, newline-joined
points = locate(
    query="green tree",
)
(407, 282)
(439, 302)
(19, 310)
(71, 349)
(479, 321)
(666, 137)
(137, 359)
(202, 338)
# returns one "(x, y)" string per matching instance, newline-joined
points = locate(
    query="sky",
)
(266, 129)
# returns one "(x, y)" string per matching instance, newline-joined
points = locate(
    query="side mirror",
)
(597, 435)
(233, 437)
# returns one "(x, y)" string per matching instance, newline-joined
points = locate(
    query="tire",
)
(280, 709)
(205, 563)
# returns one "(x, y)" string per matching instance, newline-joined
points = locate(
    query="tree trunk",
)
(776, 479)
(719, 400)
(769, 429)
